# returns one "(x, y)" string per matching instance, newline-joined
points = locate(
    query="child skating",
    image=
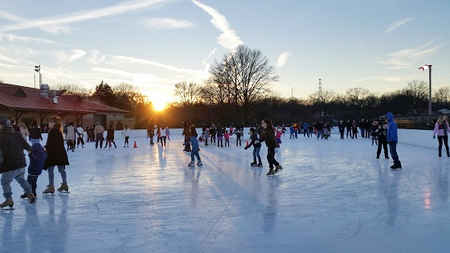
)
(37, 162)
(256, 143)
(194, 148)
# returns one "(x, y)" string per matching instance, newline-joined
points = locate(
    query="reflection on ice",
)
(332, 196)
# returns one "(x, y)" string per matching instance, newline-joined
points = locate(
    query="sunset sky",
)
(153, 44)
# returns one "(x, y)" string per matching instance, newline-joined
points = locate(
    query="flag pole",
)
(429, 95)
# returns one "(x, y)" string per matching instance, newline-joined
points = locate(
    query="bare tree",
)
(73, 89)
(244, 75)
(442, 95)
(188, 93)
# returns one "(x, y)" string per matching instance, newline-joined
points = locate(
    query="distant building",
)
(24, 104)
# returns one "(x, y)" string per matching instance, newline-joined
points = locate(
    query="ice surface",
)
(332, 196)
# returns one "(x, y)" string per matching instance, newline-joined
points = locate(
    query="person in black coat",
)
(12, 162)
(268, 136)
(341, 127)
(256, 143)
(381, 135)
(56, 156)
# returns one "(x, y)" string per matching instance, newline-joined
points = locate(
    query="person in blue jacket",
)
(392, 139)
(37, 162)
(195, 148)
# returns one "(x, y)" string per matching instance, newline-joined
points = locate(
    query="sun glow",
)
(159, 104)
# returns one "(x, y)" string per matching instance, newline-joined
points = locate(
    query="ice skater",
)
(256, 143)
(70, 137)
(37, 162)
(162, 136)
(227, 138)
(195, 148)
(110, 137)
(238, 133)
(392, 139)
(56, 156)
(441, 129)
(381, 135)
(12, 162)
(268, 137)
(126, 135)
(79, 131)
(341, 127)
(220, 133)
(99, 130)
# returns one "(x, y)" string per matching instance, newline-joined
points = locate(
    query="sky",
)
(154, 44)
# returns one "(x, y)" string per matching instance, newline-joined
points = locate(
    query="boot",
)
(63, 188)
(260, 165)
(50, 189)
(191, 164)
(199, 164)
(8, 203)
(253, 164)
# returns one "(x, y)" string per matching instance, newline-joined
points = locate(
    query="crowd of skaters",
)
(15, 138)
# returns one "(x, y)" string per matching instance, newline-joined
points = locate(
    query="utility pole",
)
(428, 67)
(37, 68)
(320, 98)
(430, 110)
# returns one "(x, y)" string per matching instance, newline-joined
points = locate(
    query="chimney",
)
(44, 90)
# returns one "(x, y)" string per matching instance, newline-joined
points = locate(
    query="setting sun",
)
(159, 104)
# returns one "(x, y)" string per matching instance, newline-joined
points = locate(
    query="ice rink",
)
(332, 196)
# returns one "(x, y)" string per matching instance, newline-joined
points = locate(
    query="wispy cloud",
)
(282, 59)
(48, 28)
(397, 24)
(228, 38)
(133, 60)
(409, 57)
(140, 78)
(113, 10)
(167, 23)
(15, 38)
(70, 56)
(7, 59)
(390, 79)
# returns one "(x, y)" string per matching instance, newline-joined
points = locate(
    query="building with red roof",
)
(22, 103)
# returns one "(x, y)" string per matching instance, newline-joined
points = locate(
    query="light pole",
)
(37, 68)
(428, 67)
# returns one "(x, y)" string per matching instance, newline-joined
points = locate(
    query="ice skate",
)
(259, 165)
(63, 188)
(271, 172)
(278, 168)
(199, 164)
(396, 166)
(253, 164)
(50, 190)
(191, 164)
(7, 205)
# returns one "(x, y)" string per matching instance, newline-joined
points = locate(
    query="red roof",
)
(26, 99)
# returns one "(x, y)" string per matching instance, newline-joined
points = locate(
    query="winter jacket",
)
(110, 134)
(37, 160)
(70, 133)
(392, 133)
(268, 136)
(56, 152)
(12, 145)
(35, 133)
(99, 129)
(381, 133)
(441, 129)
(254, 141)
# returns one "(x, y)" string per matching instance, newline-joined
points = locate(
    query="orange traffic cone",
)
(135, 145)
